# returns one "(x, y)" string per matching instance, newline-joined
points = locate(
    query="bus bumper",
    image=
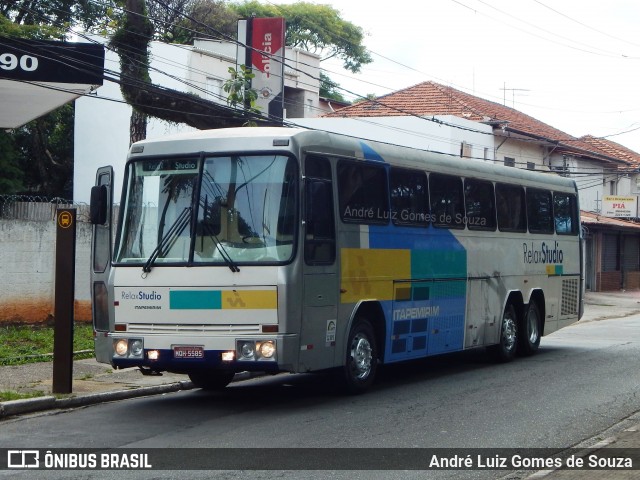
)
(272, 353)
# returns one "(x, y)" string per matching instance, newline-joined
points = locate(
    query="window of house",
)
(509, 162)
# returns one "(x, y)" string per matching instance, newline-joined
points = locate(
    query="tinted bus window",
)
(565, 213)
(510, 207)
(479, 203)
(409, 197)
(447, 204)
(319, 240)
(539, 211)
(362, 193)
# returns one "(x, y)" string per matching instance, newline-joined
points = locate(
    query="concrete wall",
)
(27, 271)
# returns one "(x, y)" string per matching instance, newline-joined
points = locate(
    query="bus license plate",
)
(188, 352)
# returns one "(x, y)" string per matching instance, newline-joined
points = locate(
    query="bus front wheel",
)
(505, 351)
(531, 330)
(211, 380)
(361, 363)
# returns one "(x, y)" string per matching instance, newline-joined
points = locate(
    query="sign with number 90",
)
(9, 61)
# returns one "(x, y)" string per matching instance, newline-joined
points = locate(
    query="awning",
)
(38, 76)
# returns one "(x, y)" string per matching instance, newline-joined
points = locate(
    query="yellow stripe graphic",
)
(369, 273)
(249, 299)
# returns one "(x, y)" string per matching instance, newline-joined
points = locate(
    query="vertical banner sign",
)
(266, 39)
(64, 298)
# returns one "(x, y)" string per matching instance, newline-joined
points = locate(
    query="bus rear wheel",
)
(361, 363)
(211, 379)
(531, 330)
(505, 351)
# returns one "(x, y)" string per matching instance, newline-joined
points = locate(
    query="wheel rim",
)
(509, 332)
(532, 326)
(361, 356)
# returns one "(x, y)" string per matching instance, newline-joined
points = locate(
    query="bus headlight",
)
(248, 350)
(128, 348)
(136, 348)
(267, 349)
(121, 347)
(251, 350)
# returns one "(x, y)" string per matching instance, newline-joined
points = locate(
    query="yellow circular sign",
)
(65, 219)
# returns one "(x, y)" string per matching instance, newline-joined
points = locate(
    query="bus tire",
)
(211, 379)
(530, 331)
(505, 350)
(361, 363)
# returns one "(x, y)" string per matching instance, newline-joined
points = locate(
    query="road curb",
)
(49, 402)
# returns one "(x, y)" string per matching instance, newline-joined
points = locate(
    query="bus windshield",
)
(228, 210)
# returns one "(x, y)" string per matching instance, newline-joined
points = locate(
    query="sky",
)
(573, 64)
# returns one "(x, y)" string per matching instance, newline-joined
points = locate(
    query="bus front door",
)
(320, 279)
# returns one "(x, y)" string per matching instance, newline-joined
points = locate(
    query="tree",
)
(131, 40)
(330, 89)
(180, 21)
(38, 157)
(45, 148)
(49, 19)
(10, 171)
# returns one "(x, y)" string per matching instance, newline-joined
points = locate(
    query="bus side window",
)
(539, 211)
(319, 243)
(479, 202)
(447, 203)
(510, 207)
(565, 213)
(363, 192)
(409, 197)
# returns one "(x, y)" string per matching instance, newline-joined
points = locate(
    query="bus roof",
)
(264, 139)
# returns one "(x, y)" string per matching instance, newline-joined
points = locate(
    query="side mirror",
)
(98, 207)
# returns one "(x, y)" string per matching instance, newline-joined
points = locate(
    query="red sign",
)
(268, 45)
(267, 62)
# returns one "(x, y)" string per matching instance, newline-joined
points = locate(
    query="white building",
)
(102, 120)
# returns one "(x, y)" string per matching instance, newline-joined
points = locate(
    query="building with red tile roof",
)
(600, 167)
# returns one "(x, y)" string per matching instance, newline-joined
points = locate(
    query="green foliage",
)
(45, 153)
(239, 92)
(330, 89)
(180, 21)
(237, 87)
(315, 28)
(131, 41)
(9, 395)
(10, 172)
(33, 343)
(38, 32)
(50, 19)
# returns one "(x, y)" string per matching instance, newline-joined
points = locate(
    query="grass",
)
(8, 395)
(29, 344)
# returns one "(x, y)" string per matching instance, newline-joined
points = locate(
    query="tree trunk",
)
(137, 126)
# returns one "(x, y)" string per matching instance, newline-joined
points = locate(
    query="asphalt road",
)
(584, 379)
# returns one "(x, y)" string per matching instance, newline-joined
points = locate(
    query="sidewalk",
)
(94, 382)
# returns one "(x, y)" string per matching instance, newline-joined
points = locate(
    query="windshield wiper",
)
(176, 228)
(223, 252)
